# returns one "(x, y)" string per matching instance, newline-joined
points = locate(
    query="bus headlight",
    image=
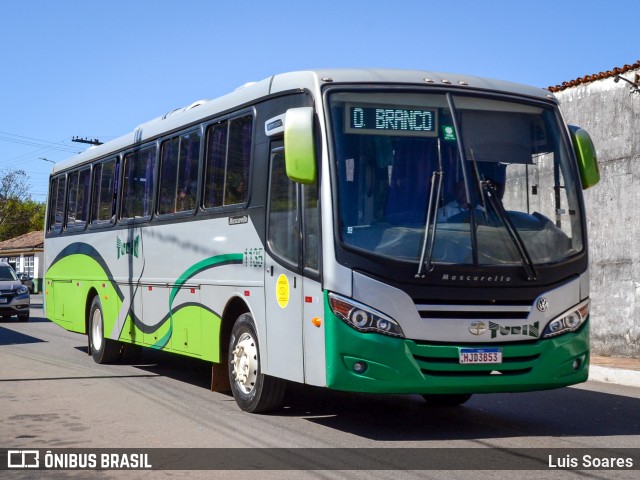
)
(363, 318)
(569, 321)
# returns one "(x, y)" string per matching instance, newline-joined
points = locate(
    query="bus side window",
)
(56, 204)
(78, 200)
(179, 173)
(138, 181)
(215, 165)
(227, 160)
(238, 157)
(104, 186)
(311, 227)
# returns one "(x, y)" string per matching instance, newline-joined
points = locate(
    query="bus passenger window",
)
(227, 160)
(179, 173)
(238, 156)
(78, 200)
(138, 183)
(56, 204)
(215, 165)
(311, 227)
(104, 186)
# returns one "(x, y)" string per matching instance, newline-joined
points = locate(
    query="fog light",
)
(360, 367)
(577, 363)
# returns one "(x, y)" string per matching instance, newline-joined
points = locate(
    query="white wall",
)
(611, 114)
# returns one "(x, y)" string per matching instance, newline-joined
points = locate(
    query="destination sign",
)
(390, 120)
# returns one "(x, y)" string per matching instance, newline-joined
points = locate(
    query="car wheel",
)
(23, 317)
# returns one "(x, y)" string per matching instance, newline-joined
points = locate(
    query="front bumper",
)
(11, 304)
(395, 365)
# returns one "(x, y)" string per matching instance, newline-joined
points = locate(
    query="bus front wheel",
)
(103, 350)
(253, 391)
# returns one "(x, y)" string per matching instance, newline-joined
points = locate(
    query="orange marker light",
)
(317, 322)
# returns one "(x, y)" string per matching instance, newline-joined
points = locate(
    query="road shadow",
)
(565, 412)
(32, 319)
(183, 369)
(11, 337)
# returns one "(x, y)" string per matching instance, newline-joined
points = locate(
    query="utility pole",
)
(95, 141)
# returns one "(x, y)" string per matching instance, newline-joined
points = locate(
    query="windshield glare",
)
(398, 153)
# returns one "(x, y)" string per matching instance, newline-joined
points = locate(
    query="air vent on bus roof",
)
(248, 84)
(184, 109)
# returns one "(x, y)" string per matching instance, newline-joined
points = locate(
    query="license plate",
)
(3, 300)
(480, 355)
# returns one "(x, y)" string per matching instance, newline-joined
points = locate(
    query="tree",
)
(19, 214)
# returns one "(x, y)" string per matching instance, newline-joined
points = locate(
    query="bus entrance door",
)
(283, 285)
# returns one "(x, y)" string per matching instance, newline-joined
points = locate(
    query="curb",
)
(619, 376)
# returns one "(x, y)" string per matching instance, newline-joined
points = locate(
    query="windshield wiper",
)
(428, 240)
(489, 189)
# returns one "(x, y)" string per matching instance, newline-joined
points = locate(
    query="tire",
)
(253, 391)
(23, 317)
(444, 400)
(103, 350)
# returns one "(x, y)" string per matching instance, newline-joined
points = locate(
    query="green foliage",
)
(19, 214)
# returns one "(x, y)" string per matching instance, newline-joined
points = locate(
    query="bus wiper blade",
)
(489, 190)
(431, 224)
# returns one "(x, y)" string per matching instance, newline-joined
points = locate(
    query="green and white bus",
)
(362, 230)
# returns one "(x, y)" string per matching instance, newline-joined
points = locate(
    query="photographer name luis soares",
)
(589, 461)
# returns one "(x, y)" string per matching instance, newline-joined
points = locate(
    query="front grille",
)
(440, 360)
(475, 312)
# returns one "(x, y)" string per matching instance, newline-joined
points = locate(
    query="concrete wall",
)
(611, 114)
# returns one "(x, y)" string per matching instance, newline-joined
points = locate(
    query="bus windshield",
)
(405, 191)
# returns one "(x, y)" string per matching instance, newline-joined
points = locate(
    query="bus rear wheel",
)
(446, 400)
(253, 391)
(103, 350)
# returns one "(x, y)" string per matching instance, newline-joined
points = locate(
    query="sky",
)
(97, 69)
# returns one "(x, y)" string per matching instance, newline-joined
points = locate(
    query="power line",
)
(35, 142)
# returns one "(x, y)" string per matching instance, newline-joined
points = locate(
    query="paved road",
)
(52, 395)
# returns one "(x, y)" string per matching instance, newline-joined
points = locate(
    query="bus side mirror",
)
(586, 156)
(299, 148)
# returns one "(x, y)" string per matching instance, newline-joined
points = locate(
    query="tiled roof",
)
(594, 77)
(27, 241)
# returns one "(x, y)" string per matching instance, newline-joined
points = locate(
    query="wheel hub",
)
(245, 363)
(96, 330)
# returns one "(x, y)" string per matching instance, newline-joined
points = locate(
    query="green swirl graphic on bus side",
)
(66, 304)
(211, 262)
